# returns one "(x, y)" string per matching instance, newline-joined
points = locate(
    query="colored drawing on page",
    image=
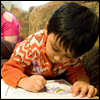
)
(58, 90)
(57, 87)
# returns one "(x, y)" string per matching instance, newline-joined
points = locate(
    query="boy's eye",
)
(55, 49)
(68, 56)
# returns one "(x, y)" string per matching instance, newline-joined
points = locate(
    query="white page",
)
(4, 88)
(56, 89)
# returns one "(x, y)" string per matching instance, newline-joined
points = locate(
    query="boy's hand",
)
(84, 88)
(33, 83)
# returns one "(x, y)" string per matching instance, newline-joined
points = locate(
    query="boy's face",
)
(55, 53)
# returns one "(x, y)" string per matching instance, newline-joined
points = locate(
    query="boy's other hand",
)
(33, 83)
(84, 88)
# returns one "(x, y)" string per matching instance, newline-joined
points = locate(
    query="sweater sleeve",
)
(13, 70)
(75, 71)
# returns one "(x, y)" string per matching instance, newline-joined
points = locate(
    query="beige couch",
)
(35, 19)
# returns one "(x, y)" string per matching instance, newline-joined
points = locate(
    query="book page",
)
(4, 89)
(56, 89)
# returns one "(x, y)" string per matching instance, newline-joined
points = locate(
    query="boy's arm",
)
(12, 73)
(13, 70)
(76, 72)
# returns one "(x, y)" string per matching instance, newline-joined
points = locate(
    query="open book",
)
(56, 89)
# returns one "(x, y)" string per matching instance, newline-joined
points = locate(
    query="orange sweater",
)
(20, 63)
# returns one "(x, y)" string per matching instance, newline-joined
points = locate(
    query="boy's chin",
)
(54, 61)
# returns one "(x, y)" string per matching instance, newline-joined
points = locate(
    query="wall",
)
(22, 4)
(8, 4)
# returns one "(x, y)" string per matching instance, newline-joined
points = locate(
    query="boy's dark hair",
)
(76, 25)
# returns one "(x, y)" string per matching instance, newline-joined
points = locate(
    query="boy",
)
(71, 31)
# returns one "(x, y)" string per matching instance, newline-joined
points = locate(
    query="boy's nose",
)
(57, 58)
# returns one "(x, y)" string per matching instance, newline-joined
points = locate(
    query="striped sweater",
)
(20, 63)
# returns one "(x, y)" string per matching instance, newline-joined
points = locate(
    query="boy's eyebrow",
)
(69, 55)
(54, 44)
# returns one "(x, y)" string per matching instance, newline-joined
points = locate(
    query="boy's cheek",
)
(49, 52)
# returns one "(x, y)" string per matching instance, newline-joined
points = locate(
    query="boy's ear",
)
(47, 25)
(46, 28)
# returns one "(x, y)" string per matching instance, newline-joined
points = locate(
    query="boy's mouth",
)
(53, 61)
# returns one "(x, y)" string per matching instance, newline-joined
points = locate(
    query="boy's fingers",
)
(34, 90)
(95, 92)
(75, 91)
(38, 86)
(83, 91)
(40, 83)
(71, 90)
(90, 91)
(41, 78)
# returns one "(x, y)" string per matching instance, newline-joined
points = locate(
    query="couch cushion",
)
(23, 19)
(91, 65)
(41, 14)
(31, 8)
